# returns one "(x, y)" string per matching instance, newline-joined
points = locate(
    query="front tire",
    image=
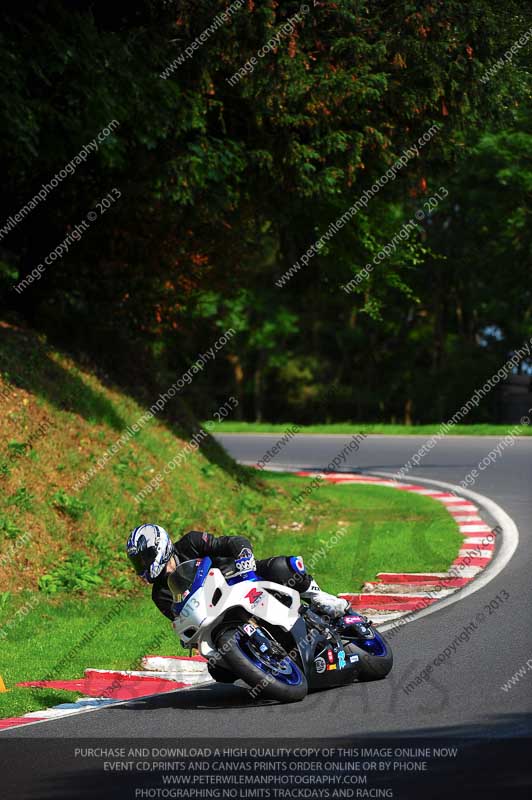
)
(273, 677)
(221, 675)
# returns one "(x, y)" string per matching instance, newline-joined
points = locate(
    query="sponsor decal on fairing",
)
(320, 665)
(353, 619)
(254, 595)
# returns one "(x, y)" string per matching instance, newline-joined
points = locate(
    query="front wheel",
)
(220, 675)
(263, 665)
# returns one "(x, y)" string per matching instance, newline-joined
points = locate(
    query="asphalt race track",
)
(463, 697)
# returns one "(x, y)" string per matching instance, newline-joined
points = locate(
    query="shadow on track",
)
(491, 761)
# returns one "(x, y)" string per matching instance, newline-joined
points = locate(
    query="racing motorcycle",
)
(262, 633)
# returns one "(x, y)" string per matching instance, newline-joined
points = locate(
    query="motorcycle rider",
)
(155, 557)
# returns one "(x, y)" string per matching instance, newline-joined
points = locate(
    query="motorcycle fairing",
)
(201, 611)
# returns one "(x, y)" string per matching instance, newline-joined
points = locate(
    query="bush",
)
(76, 574)
(71, 506)
(9, 529)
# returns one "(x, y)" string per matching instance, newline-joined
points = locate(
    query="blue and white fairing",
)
(211, 595)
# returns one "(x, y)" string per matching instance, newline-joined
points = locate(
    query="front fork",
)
(301, 650)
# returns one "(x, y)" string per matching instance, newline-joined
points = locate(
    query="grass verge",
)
(349, 428)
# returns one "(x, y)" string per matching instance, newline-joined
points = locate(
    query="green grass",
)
(378, 529)
(49, 640)
(373, 428)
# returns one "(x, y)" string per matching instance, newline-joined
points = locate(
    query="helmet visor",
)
(142, 561)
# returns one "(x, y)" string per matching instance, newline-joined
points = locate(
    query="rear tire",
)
(231, 642)
(372, 667)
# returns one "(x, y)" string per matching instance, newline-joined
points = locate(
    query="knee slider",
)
(299, 577)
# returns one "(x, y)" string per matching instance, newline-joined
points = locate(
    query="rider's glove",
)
(245, 562)
(329, 605)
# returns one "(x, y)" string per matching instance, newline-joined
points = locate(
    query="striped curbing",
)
(393, 595)
(103, 688)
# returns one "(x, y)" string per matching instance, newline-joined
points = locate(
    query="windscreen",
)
(181, 580)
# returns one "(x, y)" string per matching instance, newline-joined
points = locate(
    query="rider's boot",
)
(324, 602)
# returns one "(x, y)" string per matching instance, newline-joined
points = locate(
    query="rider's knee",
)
(288, 571)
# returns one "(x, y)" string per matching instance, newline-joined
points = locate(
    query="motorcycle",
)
(263, 633)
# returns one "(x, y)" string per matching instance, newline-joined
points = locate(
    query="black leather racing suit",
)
(198, 544)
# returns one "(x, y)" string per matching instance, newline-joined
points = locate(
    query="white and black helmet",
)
(150, 548)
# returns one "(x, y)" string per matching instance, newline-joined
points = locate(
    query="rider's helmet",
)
(150, 548)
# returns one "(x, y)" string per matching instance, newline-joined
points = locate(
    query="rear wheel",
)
(375, 657)
(263, 665)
